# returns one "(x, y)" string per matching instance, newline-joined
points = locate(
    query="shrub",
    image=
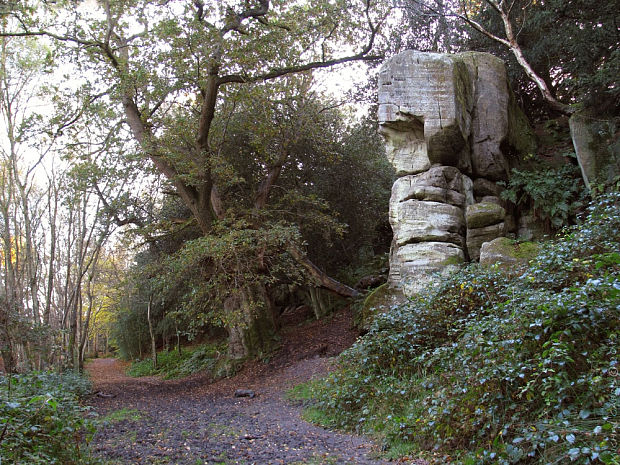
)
(488, 368)
(555, 194)
(41, 421)
(177, 365)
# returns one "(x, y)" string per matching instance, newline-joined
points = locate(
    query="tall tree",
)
(21, 200)
(566, 48)
(172, 70)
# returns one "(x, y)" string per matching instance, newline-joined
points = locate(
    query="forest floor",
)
(196, 420)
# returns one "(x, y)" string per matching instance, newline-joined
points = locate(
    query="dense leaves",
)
(519, 369)
(554, 194)
(214, 269)
(571, 44)
(177, 364)
(329, 199)
(41, 420)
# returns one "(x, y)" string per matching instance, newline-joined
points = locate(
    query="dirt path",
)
(193, 421)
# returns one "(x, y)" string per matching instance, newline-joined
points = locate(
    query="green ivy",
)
(497, 369)
(41, 420)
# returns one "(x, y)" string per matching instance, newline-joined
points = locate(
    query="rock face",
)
(597, 145)
(449, 123)
(507, 253)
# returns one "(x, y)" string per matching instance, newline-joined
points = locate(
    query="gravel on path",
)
(197, 421)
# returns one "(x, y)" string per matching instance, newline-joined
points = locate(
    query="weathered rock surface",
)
(597, 145)
(477, 237)
(406, 148)
(483, 188)
(468, 190)
(484, 214)
(497, 251)
(530, 227)
(446, 120)
(423, 260)
(439, 184)
(490, 121)
(378, 301)
(492, 199)
(425, 221)
(507, 252)
(429, 95)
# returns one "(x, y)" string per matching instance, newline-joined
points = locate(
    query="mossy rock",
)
(376, 302)
(480, 215)
(507, 252)
(521, 136)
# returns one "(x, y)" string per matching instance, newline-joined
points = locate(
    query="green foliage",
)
(199, 281)
(228, 265)
(130, 332)
(555, 194)
(572, 45)
(41, 420)
(172, 364)
(491, 369)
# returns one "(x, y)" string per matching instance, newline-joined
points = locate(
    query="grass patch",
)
(123, 414)
(319, 417)
(302, 392)
(397, 449)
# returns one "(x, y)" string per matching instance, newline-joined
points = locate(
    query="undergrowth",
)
(491, 368)
(172, 364)
(41, 420)
(555, 194)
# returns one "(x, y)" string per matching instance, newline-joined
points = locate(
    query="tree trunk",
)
(153, 344)
(319, 276)
(253, 331)
(73, 327)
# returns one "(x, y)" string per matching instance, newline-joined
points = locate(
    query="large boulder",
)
(483, 188)
(439, 184)
(405, 146)
(490, 123)
(425, 221)
(477, 237)
(484, 214)
(597, 145)
(414, 266)
(379, 300)
(506, 252)
(446, 119)
(429, 95)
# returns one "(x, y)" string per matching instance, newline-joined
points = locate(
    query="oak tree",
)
(169, 71)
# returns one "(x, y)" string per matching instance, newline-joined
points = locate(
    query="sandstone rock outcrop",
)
(450, 125)
(597, 145)
(505, 252)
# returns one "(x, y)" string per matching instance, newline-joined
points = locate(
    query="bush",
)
(177, 365)
(555, 194)
(495, 369)
(41, 420)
